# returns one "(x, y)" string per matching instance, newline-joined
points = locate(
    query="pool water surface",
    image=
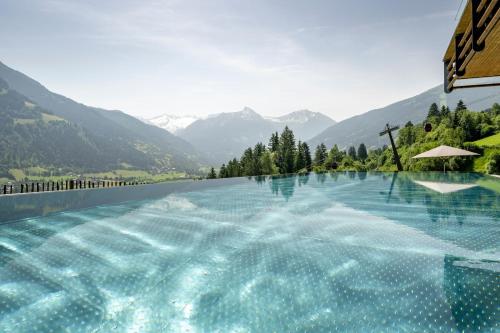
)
(340, 252)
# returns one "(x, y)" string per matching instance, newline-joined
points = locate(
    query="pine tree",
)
(334, 157)
(286, 151)
(233, 168)
(445, 112)
(223, 171)
(407, 135)
(460, 106)
(247, 163)
(258, 151)
(212, 174)
(307, 156)
(351, 152)
(274, 142)
(268, 167)
(320, 155)
(433, 111)
(300, 158)
(362, 152)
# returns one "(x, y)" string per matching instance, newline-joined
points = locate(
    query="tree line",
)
(458, 128)
(284, 155)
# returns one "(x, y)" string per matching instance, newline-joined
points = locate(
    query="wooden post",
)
(32, 187)
(5, 189)
(38, 187)
(11, 188)
(22, 188)
(388, 130)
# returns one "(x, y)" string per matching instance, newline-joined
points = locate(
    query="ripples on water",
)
(317, 253)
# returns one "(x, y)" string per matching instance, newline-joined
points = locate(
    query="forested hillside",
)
(458, 128)
(32, 137)
(114, 138)
(365, 127)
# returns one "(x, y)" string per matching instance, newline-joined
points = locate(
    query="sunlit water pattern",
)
(346, 252)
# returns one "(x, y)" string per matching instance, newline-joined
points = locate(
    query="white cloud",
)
(211, 59)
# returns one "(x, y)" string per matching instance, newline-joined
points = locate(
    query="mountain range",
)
(226, 135)
(42, 128)
(112, 139)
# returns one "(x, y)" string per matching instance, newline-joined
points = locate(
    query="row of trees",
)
(454, 128)
(283, 155)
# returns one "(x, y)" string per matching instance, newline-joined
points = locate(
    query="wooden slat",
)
(467, 34)
(487, 13)
(490, 27)
(481, 5)
(466, 49)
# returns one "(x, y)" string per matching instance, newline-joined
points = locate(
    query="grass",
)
(490, 141)
(4, 180)
(490, 183)
(18, 174)
(480, 162)
(23, 121)
(138, 175)
(50, 117)
(29, 105)
(46, 118)
(39, 174)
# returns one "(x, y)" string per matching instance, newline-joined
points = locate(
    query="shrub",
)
(493, 166)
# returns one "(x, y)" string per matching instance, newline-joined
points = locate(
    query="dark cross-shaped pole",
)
(388, 130)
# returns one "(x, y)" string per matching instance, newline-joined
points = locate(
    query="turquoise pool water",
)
(343, 252)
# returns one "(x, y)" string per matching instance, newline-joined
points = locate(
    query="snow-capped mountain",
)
(304, 123)
(300, 117)
(226, 135)
(172, 123)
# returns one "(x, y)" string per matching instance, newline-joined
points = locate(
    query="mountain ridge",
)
(365, 128)
(121, 134)
(225, 135)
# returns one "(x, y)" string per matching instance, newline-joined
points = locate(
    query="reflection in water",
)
(321, 177)
(394, 176)
(444, 188)
(284, 185)
(303, 179)
(459, 196)
(120, 264)
(334, 175)
(473, 292)
(259, 179)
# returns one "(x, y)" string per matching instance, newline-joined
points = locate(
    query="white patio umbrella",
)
(443, 152)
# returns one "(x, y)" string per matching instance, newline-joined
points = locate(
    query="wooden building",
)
(473, 55)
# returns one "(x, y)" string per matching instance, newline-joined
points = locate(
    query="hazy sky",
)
(198, 57)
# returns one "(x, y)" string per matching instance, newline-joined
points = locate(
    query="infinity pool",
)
(342, 252)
